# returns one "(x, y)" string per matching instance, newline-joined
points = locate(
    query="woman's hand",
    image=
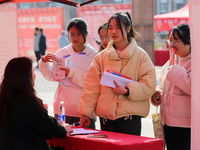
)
(155, 99)
(85, 122)
(48, 57)
(66, 70)
(68, 128)
(119, 90)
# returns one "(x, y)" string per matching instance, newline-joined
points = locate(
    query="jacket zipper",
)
(123, 62)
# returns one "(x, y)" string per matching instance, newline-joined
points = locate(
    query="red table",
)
(161, 56)
(114, 141)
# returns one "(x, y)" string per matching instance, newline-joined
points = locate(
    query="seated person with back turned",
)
(24, 122)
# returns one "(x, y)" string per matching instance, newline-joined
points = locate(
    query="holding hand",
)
(155, 99)
(85, 122)
(119, 90)
(68, 128)
(66, 70)
(48, 57)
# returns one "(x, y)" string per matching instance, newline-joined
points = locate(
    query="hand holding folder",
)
(108, 79)
(58, 63)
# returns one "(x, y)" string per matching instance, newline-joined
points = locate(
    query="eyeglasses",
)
(172, 42)
(75, 35)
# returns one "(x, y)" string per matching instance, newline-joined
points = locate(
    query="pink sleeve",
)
(180, 78)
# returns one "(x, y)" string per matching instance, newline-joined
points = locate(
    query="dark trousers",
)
(37, 55)
(42, 52)
(130, 126)
(177, 138)
(76, 120)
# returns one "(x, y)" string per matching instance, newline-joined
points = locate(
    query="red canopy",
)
(165, 22)
(67, 2)
(23, 1)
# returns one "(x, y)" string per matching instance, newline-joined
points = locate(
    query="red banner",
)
(49, 19)
(168, 24)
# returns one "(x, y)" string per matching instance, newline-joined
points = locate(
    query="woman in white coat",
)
(70, 89)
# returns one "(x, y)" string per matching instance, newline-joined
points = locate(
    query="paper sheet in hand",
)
(58, 74)
(80, 61)
(83, 131)
(108, 78)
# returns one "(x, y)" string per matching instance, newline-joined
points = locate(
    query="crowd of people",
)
(119, 108)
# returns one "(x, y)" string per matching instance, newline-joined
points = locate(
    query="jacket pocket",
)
(180, 106)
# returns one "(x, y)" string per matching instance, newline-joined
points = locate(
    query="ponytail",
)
(132, 33)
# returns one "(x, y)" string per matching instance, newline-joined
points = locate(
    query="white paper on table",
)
(58, 74)
(108, 79)
(80, 61)
(83, 131)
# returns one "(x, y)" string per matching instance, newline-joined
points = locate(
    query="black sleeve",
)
(45, 125)
(40, 43)
(45, 46)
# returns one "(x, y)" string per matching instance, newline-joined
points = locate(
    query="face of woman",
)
(181, 49)
(104, 37)
(115, 32)
(33, 77)
(75, 37)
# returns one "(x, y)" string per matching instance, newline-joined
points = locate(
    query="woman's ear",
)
(129, 29)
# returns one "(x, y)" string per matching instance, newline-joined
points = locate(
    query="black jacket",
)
(27, 128)
(42, 44)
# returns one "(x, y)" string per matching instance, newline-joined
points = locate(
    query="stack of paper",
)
(83, 131)
(79, 61)
(108, 79)
(74, 60)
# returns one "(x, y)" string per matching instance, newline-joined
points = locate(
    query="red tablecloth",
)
(114, 141)
(161, 57)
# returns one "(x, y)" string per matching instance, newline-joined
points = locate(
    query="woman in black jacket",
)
(24, 122)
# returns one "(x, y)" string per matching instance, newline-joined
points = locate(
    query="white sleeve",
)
(46, 70)
(77, 76)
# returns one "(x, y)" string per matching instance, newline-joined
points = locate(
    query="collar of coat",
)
(88, 49)
(126, 53)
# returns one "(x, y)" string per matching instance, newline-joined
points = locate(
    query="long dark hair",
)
(80, 24)
(17, 86)
(125, 19)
